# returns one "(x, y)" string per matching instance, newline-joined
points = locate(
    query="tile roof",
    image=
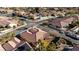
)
(34, 36)
(7, 47)
(12, 44)
(57, 21)
(4, 22)
(1, 48)
(28, 36)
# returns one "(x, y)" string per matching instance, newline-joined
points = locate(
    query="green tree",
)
(51, 47)
(7, 37)
(40, 46)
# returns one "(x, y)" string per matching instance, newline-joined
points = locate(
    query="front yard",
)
(6, 37)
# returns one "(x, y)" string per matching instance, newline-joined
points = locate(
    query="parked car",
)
(71, 35)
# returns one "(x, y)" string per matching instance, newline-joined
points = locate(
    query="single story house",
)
(1, 48)
(15, 45)
(6, 21)
(12, 44)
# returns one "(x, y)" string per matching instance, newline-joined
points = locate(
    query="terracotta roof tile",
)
(1, 48)
(28, 37)
(12, 44)
(7, 47)
(34, 36)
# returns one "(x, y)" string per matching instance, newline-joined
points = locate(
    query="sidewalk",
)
(11, 29)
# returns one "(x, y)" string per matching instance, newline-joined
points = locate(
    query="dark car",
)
(71, 35)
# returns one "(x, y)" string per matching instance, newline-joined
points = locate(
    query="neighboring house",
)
(75, 48)
(1, 48)
(13, 23)
(6, 21)
(32, 35)
(12, 44)
(75, 29)
(9, 11)
(36, 16)
(63, 22)
(77, 16)
(15, 45)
